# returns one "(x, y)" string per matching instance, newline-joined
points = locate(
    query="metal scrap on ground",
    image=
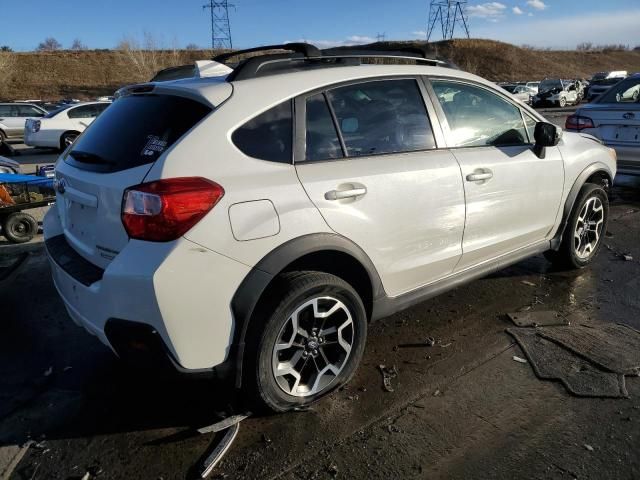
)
(220, 449)
(387, 375)
(223, 424)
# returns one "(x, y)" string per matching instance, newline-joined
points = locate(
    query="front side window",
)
(478, 117)
(269, 136)
(384, 116)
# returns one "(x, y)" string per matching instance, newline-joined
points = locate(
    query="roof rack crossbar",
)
(306, 49)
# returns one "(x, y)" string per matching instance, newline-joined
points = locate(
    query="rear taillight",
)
(35, 126)
(576, 122)
(164, 210)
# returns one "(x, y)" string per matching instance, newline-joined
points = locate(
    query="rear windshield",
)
(57, 110)
(626, 91)
(134, 131)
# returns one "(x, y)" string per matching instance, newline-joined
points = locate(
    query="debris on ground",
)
(537, 318)
(387, 375)
(223, 424)
(437, 393)
(332, 470)
(86, 476)
(220, 449)
(48, 371)
(551, 361)
(528, 283)
(588, 447)
(429, 342)
(627, 257)
(519, 359)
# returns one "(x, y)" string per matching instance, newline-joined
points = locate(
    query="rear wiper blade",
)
(88, 157)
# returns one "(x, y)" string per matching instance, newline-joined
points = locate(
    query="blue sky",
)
(102, 24)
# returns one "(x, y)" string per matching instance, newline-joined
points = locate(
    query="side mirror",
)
(546, 135)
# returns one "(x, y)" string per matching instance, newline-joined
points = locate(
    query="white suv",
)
(254, 223)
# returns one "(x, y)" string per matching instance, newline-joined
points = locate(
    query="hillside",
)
(86, 74)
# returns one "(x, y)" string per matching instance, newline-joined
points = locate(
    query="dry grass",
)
(86, 74)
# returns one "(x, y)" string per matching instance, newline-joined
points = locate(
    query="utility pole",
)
(220, 26)
(381, 37)
(447, 14)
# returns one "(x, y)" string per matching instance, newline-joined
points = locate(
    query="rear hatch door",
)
(115, 153)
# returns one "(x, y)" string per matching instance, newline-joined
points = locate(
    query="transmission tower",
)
(220, 26)
(447, 14)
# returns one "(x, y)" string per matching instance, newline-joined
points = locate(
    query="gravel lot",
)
(461, 409)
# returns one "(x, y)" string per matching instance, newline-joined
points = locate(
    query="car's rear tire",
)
(67, 139)
(585, 230)
(19, 227)
(309, 341)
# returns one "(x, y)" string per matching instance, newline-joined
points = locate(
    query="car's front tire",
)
(311, 342)
(562, 102)
(585, 230)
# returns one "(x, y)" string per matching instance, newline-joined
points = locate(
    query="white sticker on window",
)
(154, 145)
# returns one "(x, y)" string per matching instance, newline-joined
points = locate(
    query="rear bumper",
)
(179, 292)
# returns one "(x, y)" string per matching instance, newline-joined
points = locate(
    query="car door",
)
(10, 119)
(512, 196)
(367, 155)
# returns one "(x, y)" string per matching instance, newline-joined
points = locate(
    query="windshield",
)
(53, 113)
(509, 88)
(546, 85)
(599, 76)
(609, 81)
(626, 91)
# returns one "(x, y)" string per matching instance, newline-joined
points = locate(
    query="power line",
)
(447, 14)
(381, 37)
(220, 25)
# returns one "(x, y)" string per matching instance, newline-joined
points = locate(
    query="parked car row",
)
(37, 127)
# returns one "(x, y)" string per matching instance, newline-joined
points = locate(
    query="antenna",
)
(220, 26)
(447, 14)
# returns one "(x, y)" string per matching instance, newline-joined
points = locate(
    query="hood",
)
(549, 93)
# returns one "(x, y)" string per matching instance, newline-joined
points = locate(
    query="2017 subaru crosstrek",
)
(254, 223)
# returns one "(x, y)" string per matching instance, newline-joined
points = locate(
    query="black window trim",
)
(300, 115)
(445, 123)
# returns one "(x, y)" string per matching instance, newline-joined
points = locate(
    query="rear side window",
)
(85, 111)
(134, 131)
(269, 136)
(383, 116)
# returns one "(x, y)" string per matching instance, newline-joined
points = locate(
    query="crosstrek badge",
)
(154, 145)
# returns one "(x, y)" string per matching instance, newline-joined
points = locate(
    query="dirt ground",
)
(461, 409)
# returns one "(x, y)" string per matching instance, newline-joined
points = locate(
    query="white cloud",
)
(537, 4)
(489, 10)
(517, 10)
(350, 40)
(567, 32)
(419, 34)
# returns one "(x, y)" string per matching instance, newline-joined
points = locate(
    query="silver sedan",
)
(614, 118)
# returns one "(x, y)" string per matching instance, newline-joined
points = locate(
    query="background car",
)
(61, 127)
(556, 92)
(521, 92)
(13, 117)
(9, 166)
(614, 118)
(598, 87)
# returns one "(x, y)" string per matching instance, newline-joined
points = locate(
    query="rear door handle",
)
(342, 194)
(479, 177)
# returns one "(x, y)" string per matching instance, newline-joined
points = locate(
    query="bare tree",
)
(144, 56)
(6, 48)
(78, 45)
(192, 46)
(50, 44)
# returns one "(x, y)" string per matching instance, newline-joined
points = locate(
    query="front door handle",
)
(479, 176)
(342, 194)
